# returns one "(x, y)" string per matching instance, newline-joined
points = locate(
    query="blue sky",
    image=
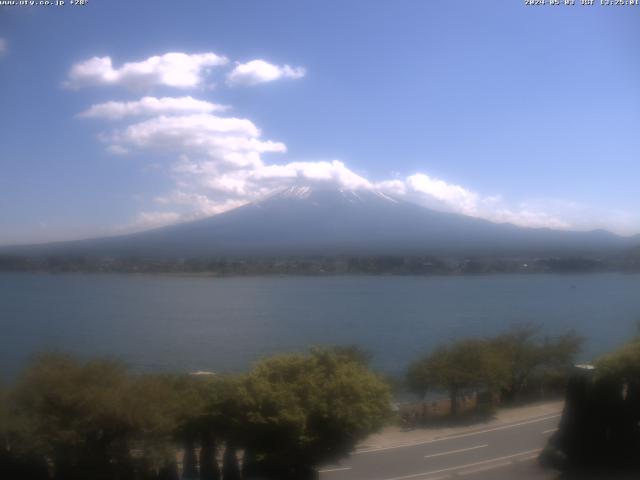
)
(119, 116)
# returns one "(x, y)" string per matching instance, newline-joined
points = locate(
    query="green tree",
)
(527, 355)
(620, 371)
(623, 363)
(419, 377)
(353, 353)
(71, 413)
(600, 426)
(302, 410)
(193, 395)
(93, 419)
(227, 407)
(418, 380)
(464, 365)
(521, 354)
(560, 351)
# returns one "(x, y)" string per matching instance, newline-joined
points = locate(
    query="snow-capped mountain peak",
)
(312, 220)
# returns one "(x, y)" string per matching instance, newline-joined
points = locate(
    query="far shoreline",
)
(214, 275)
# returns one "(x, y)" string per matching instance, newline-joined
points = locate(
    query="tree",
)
(72, 414)
(623, 363)
(418, 380)
(302, 410)
(419, 377)
(353, 353)
(4, 420)
(525, 355)
(209, 468)
(460, 366)
(94, 420)
(193, 396)
(230, 466)
(560, 351)
(225, 421)
(521, 354)
(619, 373)
(600, 426)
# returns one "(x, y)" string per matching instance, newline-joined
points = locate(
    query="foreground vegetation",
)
(69, 420)
(599, 433)
(66, 419)
(515, 366)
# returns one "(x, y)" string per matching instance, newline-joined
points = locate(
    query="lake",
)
(171, 323)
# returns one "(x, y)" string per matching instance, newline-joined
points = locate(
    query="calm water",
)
(182, 323)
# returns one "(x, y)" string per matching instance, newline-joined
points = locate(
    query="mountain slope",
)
(306, 221)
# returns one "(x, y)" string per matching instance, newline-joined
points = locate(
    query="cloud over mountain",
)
(220, 161)
(230, 141)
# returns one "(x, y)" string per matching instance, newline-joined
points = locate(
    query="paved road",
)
(499, 452)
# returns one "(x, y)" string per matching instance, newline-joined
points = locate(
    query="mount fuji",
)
(331, 221)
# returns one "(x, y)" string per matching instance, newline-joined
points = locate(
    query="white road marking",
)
(484, 468)
(453, 437)
(549, 431)
(527, 458)
(451, 452)
(337, 469)
(504, 427)
(493, 466)
(462, 467)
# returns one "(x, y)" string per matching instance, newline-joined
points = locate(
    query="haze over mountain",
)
(331, 221)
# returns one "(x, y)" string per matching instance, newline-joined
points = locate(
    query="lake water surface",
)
(224, 324)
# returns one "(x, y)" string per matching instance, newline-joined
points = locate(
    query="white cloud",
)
(117, 150)
(221, 161)
(175, 69)
(259, 71)
(221, 167)
(210, 189)
(574, 215)
(252, 182)
(208, 186)
(3, 46)
(156, 219)
(198, 205)
(151, 106)
(395, 187)
(334, 172)
(454, 196)
(441, 195)
(524, 216)
(228, 140)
